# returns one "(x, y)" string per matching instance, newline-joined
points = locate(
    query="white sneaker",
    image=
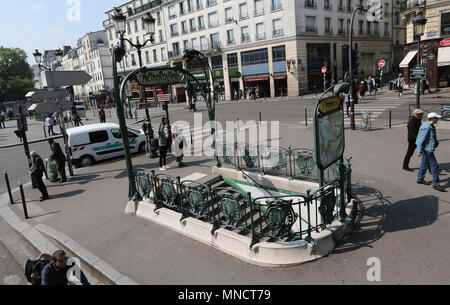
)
(166, 167)
(162, 169)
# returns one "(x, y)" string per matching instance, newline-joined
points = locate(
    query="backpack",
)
(33, 269)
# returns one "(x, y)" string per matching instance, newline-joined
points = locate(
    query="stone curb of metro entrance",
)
(44, 239)
(264, 254)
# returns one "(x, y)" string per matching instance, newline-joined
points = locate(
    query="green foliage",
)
(16, 75)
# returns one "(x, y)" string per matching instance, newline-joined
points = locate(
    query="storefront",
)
(318, 57)
(234, 82)
(260, 83)
(444, 66)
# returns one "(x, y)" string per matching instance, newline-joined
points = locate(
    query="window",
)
(147, 57)
(194, 43)
(118, 135)
(260, 31)
(232, 60)
(244, 33)
(155, 56)
(259, 7)
(203, 43)
(255, 57)
(229, 14)
(192, 24)
(361, 27)
(341, 26)
(311, 24)
(279, 54)
(201, 22)
(277, 27)
(172, 11)
(182, 8)
(161, 37)
(135, 25)
(184, 27)
(174, 29)
(190, 4)
(215, 42)
(276, 5)
(199, 4)
(243, 11)
(163, 54)
(328, 28)
(445, 24)
(213, 20)
(230, 37)
(98, 136)
(217, 62)
(211, 2)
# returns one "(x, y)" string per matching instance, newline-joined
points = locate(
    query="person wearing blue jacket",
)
(426, 145)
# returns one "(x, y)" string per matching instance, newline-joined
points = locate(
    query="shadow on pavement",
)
(66, 195)
(376, 215)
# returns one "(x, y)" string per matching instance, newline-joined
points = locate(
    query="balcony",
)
(245, 38)
(231, 42)
(328, 31)
(327, 7)
(260, 36)
(350, 9)
(259, 12)
(278, 32)
(310, 4)
(387, 34)
(311, 30)
(411, 5)
(174, 54)
(341, 32)
(243, 16)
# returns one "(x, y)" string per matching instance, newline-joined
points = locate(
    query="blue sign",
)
(432, 34)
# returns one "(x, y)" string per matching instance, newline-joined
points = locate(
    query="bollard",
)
(11, 200)
(45, 132)
(192, 136)
(390, 118)
(306, 116)
(24, 203)
(260, 117)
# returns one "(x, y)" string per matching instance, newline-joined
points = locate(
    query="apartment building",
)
(435, 57)
(275, 46)
(93, 56)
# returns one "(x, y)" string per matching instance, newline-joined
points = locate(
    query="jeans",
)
(429, 162)
(50, 130)
(162, 156)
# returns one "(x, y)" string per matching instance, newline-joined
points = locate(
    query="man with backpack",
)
(51, 270)
(58, 156)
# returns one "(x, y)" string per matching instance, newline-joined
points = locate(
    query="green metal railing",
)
(298, 163)
(271, 218)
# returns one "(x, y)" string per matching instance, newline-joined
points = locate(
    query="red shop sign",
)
(445, 42)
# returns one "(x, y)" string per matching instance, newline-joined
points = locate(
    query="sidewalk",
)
(89, 209)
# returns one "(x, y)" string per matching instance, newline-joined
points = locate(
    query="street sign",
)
(324, 70)
(381, 63)
(418, 72)
(431, 56)
(163, 76)
(46, 108)
(55, 79)
(163, 97)
(445, 42)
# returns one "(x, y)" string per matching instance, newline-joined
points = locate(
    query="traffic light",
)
(355, 61)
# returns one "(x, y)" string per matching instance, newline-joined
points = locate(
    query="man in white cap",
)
(426, 145)
(413, 130)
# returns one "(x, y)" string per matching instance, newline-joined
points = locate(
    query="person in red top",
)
(361, 91)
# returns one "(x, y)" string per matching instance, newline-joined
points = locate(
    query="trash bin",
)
(51, 168)
(366, 122)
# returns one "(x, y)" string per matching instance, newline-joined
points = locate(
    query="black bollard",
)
(260, 117)
(24, 203)
(306, 116)
(11, 199)
(390, 118)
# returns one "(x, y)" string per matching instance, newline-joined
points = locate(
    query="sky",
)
(50, 24)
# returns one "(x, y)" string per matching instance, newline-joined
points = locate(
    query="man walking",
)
(49, 123)
(102, 115)
(36, 171)
(59, 157)
(413, 130)
(426, 145)
(163, 144)
(400, 85)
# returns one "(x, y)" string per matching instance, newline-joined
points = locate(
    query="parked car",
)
(91, 143)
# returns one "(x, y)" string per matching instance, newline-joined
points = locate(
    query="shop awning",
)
(257, 79)
(444, 57)
(405, 62)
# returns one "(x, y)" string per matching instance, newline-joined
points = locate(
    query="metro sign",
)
(445, 42)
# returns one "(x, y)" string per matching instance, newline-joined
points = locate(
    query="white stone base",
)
(263, 254)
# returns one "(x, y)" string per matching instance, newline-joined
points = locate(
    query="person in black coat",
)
(102, 115)
(36, 171)
(58, 156)
(413, 130)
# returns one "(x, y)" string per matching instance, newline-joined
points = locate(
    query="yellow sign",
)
(330, 104)
(161, 77)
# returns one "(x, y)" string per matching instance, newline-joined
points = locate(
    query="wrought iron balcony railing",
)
(310, 4)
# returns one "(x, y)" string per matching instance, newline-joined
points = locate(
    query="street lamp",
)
(149, 26)
(419, 23)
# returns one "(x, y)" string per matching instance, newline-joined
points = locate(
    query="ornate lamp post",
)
(419, 23)
(149, 26)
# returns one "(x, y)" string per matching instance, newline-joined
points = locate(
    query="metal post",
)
(192, 136)
(306, 116)
(24, 203)
(11, 199)
(418, 81)
(390, 118)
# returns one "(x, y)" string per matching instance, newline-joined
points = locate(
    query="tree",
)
(16, 75)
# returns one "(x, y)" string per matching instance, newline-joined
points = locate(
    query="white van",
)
(96, 142)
